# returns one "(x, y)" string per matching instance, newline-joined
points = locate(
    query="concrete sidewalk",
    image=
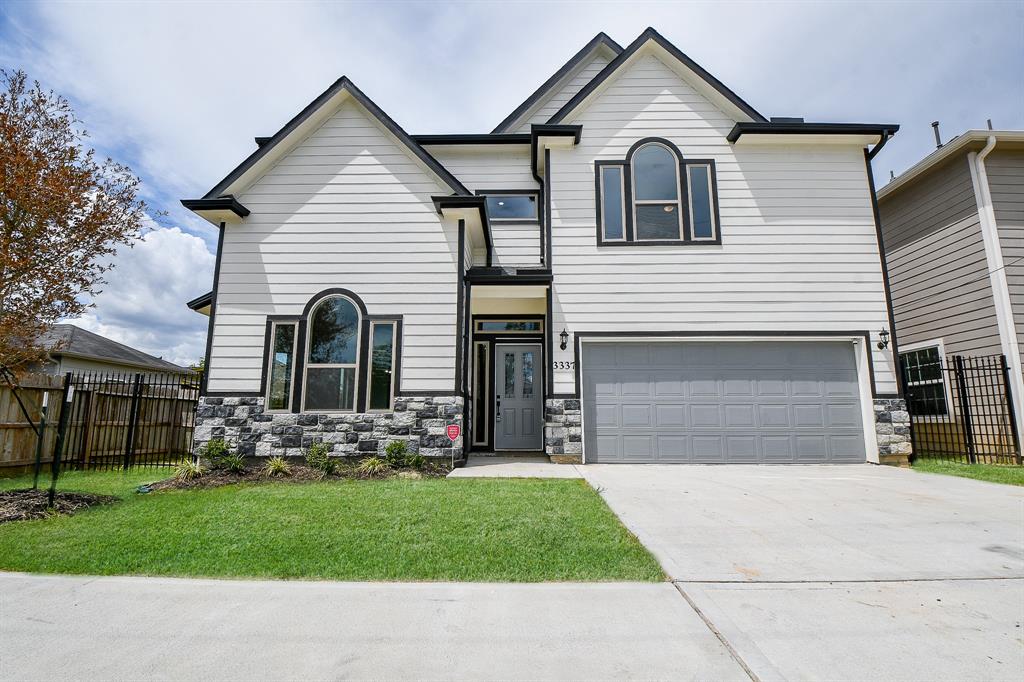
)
(155, 628)
(514, 467)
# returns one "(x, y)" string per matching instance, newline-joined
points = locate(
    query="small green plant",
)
(373, 466)
(234, 463)
(395, 453)
(318, 458)
(215, 452)
(415, 460)
(189, 470)
(277, 466)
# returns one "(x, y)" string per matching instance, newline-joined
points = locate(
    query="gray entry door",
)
(765, 402)
(517, 397)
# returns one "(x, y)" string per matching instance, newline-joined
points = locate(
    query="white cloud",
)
(143, 303)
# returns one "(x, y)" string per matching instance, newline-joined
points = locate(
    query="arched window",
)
(656, 193)
(332, 355)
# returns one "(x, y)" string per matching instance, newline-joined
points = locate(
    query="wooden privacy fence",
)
(114, 420)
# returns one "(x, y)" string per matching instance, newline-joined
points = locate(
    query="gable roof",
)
(67, 339)
(648, 36)
(601, 40)
(341, 85)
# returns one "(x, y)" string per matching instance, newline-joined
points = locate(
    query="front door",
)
(518, 418)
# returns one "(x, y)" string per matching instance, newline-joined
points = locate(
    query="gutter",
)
(997, 278)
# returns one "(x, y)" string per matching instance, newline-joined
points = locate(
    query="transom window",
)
(925, 377)
(655, 196)
(510, 326)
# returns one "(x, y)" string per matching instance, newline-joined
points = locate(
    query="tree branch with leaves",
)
(62, 215)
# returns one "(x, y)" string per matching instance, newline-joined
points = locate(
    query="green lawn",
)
(1010, 475)
(525, 530)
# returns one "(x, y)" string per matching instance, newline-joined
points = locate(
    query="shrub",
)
(395, 453)
(373, 466)
(189, 470)
(277, 466)
(318, 458)
(215, 452)
(415, 460)
(233, 462)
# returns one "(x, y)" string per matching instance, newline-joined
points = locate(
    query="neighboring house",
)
(634, 266)
(953, 228)
(73, 349)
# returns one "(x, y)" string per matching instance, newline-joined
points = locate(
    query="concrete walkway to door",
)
(838, 572)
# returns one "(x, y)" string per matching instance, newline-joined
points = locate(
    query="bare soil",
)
(300, 473)
(21, 505)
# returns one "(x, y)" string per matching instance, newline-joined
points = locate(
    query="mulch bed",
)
(21, 505)
(300, 473)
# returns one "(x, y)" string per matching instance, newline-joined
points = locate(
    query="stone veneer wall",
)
(892, 428)
(242, 423)
(563, 430)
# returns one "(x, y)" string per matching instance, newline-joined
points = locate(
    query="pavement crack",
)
(721, 638)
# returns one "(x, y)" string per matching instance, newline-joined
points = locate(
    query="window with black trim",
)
(655, 196)
(512, 206)
(281, 366)
(925, 378)
(332, 356)
(382, 366)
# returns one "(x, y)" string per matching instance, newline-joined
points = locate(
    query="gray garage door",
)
(723, 402)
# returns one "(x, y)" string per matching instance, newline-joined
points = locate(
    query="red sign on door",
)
(453, 432)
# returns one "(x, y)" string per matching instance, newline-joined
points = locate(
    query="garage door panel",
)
(703, 402)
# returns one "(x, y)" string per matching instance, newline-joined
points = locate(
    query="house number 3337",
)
(563, 365)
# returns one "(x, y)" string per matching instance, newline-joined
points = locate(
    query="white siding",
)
(496, 167)
(799, 249)
(347, 207)
(575, 82)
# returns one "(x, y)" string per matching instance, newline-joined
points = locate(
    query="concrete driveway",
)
(841, 572)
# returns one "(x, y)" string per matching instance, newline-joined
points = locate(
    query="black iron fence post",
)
(133, 420)
(65, 413)
(1009, 408)
(39, 440)
(965, 407)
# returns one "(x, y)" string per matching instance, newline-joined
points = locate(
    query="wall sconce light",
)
(883, 337)
(564, 336)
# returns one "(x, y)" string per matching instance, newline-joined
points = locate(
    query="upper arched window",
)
(656, 196)
(332, 355)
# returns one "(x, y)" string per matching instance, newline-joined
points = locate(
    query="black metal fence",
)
(961, 408)
(125, 420)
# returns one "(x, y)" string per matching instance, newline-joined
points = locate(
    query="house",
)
(634, 266)
(953, 227)
(73, 349)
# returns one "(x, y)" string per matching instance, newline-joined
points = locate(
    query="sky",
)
(178, 90)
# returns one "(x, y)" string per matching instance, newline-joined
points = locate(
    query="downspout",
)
(997, 277)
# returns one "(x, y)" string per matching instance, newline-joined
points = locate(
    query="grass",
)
(994, 473)
(525, 530)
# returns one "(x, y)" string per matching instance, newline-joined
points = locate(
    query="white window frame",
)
(481, 377)
(307, 364)
(274, 324)
(369, 367)
(657, 202)
(946, 389)
(711, 202)
(622, 201)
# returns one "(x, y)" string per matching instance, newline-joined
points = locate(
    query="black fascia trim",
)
(201, 301)
(883, 130)
(575, 130)
(578, 338)
(471, 201)
(260, 141)
(514, 192)
(642, 39)
(473, 138)
(893, 336)
(223, 203)
(213, 311)
(574, 61)
(342, 83)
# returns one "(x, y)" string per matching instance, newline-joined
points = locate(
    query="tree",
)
(62, 215)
